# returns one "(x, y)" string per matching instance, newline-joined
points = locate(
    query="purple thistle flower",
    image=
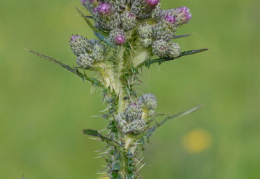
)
(117, 36)
(170, 18)
(185, 11)
(95, 9)
(183, 15)
(73, 37)
(104, 8)
(152, 3)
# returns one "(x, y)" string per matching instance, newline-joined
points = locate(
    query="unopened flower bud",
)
(85, 61)
(133, 112)
(174, 50)
(79, 45)
(128, 20)
(98, 52)
(145, 30)
(156, 10)
(105, 17)
(146, 42)
(117, 36)
(144, 8)
(118, 5)
(149, 101)
(160, 48)
(165, 28)
(135, 127)
(104, 8)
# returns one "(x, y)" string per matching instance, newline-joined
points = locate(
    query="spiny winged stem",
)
(130, 33)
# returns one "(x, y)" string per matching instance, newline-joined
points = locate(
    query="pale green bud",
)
(85, 61)
(117, 36)
(133, 112)
(144, 8)
(145, 30)
(99, 50)
(149, 101)
(174, 50)
(146, 42)
(160, 48)
(164, 31)
(128, 20)
(105, 17)
(79, 45)
(135, 127)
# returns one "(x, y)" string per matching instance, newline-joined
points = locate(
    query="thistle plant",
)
(131, 35)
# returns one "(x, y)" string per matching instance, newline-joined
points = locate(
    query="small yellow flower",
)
(197, 141)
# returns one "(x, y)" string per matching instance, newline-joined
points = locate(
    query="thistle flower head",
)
(128, 20)
(152, 3)
(184, 15)
(146, 42)
(170, 19)
(174, 50)
(160, 48)
(85, 61)
(133, 112)
(117, 36)
(104, 8)
(145, 8)
(79, 45)
(145, 30)
(149, 101)
(165, 27)
(99, 50)
(135, 127)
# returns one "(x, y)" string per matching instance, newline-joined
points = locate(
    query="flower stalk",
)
(130, 33)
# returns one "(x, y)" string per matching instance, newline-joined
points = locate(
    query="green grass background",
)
(43, 108)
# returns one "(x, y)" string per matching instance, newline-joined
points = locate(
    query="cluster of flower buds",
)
(133, 120)
(124, 20)
(89, 52)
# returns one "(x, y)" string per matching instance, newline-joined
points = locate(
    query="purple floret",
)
(152, 3)
(120, 39)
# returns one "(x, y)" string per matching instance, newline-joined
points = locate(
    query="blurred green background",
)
(43, 108)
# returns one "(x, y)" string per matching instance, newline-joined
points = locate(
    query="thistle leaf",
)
(91, 132)
(87, 20)
(181, 36)
(103, 138)
(175, 116)
(103, 38)
(67, 67)
(178, 115)
(161, 60)
(90, 17)
(73, 70)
